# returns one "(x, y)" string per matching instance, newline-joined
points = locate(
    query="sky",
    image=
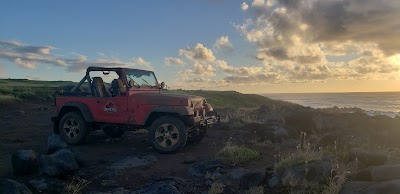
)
(254, 46)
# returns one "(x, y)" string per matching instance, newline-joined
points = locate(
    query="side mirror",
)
(162, 85)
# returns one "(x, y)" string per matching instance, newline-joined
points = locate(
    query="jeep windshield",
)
(141, 78)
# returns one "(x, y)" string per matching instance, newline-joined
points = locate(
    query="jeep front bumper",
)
(200, 120)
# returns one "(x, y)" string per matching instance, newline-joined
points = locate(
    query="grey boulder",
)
(199, 169)
(385, 172)
(8, 186)
(369, 158)
(54, 143)
(59, 163)
(24, 162)
(355, 187)
(133, 162)
(248, 178)
(170, 185)
(317, 170)
(387, 187)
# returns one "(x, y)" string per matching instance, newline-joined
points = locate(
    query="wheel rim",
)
(167, 135)
(71, 128)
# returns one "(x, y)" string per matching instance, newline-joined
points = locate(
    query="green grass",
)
(238, 155)
(31, 90)
(231, 99)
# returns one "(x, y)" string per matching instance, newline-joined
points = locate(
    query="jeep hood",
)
(168, 99)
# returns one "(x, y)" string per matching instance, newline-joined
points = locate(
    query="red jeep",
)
(134, 100)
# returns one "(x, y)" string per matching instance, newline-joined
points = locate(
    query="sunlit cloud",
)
(174, 61)
(198, 53)
(223, 44)
(245, 6)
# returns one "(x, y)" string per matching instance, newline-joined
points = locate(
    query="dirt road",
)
(27, 126)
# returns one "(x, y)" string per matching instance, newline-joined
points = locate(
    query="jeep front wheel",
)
(168, 134)
(73, 128)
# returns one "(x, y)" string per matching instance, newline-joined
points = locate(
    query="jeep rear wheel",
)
(168, 134)
(73, 128)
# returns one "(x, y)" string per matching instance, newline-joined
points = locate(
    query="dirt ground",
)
(27, 126)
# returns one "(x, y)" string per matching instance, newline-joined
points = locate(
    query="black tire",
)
(196, 137)
(73, 128)
(171, 134)
(113, 132)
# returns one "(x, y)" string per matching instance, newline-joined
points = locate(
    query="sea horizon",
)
(374, 103)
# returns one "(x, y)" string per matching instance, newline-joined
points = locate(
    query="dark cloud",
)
(316, 21)
(27, 56)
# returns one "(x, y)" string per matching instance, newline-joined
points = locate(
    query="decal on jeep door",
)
(110, 107)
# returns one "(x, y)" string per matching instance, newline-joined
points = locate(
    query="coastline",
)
(370, 103)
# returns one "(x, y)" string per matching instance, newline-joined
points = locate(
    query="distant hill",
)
(32, 83)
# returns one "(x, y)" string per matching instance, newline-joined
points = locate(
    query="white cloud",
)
(241, 71)
(245, 6)
(27, 56)
(223, 43)
(258, 3)
(198, 53)
(203, 70)
(81, 64)
(173, 61)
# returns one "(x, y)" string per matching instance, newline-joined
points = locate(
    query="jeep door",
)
(107, 107)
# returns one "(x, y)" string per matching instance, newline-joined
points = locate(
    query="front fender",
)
(180, 110)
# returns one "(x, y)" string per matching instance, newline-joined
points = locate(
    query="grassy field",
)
(29, 90)
(38, 91)
(232, 99)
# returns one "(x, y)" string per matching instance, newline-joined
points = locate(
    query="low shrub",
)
(237, 155)
(216, 188)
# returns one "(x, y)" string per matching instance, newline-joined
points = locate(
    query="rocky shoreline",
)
(270, 149)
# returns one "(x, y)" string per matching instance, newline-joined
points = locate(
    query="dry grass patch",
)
(76, 185)
(237, 155)
(304, 154)
(216, 188)
(338, 177)
(8, 98)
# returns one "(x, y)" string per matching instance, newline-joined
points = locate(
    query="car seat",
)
(99, 88)
(117, 87)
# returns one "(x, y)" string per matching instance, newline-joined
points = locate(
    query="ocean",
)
(374, 103)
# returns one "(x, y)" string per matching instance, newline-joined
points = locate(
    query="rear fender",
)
(72, 106)
(84, 110)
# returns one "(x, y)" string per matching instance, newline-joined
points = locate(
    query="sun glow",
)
(395, 59)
